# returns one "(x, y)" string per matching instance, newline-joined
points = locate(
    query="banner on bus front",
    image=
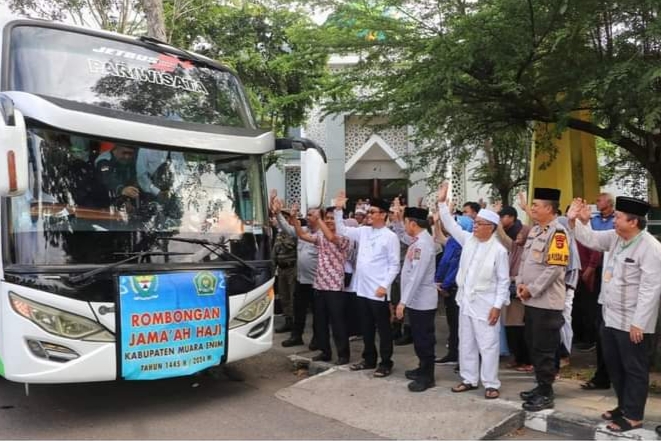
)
(171, 324)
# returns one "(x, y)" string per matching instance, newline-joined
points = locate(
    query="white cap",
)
(360, 211)
(489, 215)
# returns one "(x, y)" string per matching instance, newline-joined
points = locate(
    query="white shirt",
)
(377, 264)
(630, 284)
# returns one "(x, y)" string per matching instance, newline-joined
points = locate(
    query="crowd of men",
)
(578, 280)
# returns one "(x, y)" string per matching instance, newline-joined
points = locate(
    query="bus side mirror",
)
(13, 150)
(314, 168)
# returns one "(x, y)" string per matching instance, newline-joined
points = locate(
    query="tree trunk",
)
(155, 19)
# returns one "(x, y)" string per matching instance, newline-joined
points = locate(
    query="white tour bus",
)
(133, 210)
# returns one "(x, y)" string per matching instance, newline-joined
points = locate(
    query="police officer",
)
(630, 296)
(419, 296)
(541, 288)
(284, 256)
(116, 171)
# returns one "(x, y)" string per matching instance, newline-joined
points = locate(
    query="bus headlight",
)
(252, 310)
(58, 322)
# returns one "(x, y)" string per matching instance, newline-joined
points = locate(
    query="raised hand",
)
(442, 195)
(575, 209)
(276, 205)
(341, 200)
(497, 206)
(295, 207)
(272, 195)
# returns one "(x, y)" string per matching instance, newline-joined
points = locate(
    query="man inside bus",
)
(116, 171)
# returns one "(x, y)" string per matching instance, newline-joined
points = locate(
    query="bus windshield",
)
(122, 76)
(92, 201)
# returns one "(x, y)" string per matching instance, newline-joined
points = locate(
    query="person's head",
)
(605, 203)
(485, 224)
(360, 215)
(522, 235)
(508, 216)
(630, 216)
(123, 153)
(471, 209)
(377, 214)
(329, 218)
(312, 217)
(545, 205)
(415, 220)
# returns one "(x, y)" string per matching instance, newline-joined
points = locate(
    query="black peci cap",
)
(416, 213)
(547, 194)
(629, 205)
(380, 204)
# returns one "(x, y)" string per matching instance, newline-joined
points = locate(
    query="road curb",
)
(551, 421)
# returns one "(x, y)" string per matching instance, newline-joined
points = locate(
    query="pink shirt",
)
(330, 266)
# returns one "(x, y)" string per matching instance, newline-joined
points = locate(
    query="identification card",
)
(608, 274)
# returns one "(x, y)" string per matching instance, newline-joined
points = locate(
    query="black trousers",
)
(375, 315)
(303, 302)
(353, 315)
(452, 317)
(600, 377)
(330, 308)
(516, 341)
(628, 365)
(584, 314)
(543, 338)
(424, 339)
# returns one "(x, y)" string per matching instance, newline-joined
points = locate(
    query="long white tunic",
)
(377, 263)
(631, 282)
(472, 302)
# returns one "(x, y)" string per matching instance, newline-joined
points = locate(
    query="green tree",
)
(121, 16)
(464, 69)
(266, 45)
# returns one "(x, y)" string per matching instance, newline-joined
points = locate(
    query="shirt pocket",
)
(537, 250)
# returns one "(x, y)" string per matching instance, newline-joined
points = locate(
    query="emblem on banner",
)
(145, 286)
(205, 283)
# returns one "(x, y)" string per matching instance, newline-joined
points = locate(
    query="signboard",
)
(171, 324)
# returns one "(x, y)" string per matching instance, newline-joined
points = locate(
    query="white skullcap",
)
(360, 211)
(489, 215)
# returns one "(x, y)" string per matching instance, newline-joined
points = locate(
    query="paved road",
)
(216, 408)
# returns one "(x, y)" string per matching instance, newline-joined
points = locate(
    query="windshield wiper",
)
(215, 247)
(90, 275)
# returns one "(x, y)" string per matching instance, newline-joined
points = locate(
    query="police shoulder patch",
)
(558, 250)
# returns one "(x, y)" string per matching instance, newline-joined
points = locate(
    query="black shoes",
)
(292, 341)
(322, 357)
(447, 360)
(313, 346)
(528, 394)
(412, 374)
(421, 384)
(342, 361)
(538, 402)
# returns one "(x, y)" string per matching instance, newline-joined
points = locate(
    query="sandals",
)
(382, 371)
(622, 425)
(610, 415)
(361, 366)
(491, 393)
(463, 387)
(591, 385)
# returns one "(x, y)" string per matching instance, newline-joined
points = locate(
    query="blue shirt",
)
(600, 223)
(446, 272)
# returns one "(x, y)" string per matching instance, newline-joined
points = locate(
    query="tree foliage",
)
(123, 16)
(266, 45)
(464, 70)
